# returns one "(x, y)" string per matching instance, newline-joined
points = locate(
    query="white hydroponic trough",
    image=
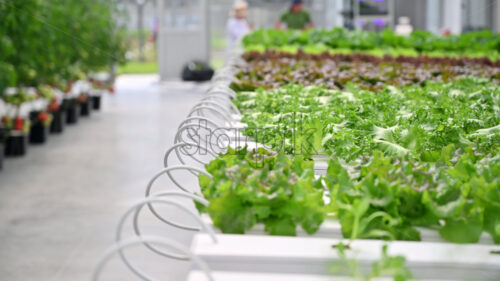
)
(196, 275)
(316, 256)
(331, 228)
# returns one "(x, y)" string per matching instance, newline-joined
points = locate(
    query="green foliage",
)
(480, 43)
(46, 42)
(387, 265)
(138, 67)
(250, 187)
(18, 98)
(269, 37)
(385, 198)
(418, 156)
(413, 122)
(46, 92)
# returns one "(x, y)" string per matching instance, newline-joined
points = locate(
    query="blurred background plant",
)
(56, 41)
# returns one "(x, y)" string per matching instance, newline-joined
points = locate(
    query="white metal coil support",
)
(196, 198)
(222, 89)
(199, 111)
(136, 208)
(173, 168)
(177, 147)
(209, 144)
(224, 100)
(223, 110)
(201, 121)
(119, 247)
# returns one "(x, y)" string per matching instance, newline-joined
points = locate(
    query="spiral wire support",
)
(215, 112)
(140, 240)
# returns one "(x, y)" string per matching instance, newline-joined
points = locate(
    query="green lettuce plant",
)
(257, 186)
(483, 43)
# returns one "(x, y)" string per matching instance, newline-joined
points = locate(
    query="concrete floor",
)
(60, 204)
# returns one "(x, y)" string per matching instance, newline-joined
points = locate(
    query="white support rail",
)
(331, 228)
(198, 275)
(299, 255)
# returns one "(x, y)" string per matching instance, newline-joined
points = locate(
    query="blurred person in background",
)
(403, 27)
(237, 25)
(295, 18)
(154, 30)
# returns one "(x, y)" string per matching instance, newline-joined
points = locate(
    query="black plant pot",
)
(96, 102)
(72, 110)
(16, 144)
(2, 146)
(59, 118)
(39, 133)
(85, 108)
(1, 154)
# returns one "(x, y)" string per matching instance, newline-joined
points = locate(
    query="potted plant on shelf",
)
(17, 127)
(25, 62)
(54, 108)
(83, 99)
(39, 118)
(102, 83)
(7, 78)
(40, 126)
(2, 140)
(70, 105)
(96, 93)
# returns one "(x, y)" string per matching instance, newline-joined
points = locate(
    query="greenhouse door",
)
(183, 35)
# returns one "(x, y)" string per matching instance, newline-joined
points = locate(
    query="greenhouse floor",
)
(60, 204)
